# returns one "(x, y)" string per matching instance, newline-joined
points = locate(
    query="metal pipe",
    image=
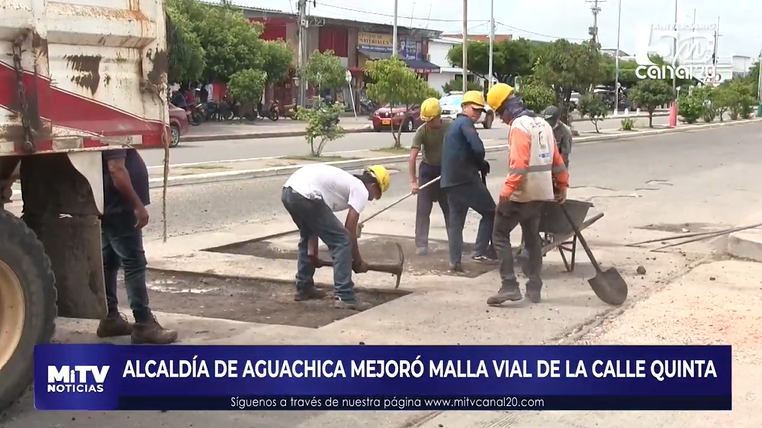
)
(616, 59)
(691, 235)
(465, 45)
(395, 41)
(491, 40)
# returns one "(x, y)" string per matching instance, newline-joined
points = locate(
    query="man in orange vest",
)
(537, 174)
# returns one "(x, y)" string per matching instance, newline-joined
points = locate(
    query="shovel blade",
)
(609, 286)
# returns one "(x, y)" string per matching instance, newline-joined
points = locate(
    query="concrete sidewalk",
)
(747, 244)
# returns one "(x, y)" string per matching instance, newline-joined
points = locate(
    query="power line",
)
(521, 30)
(386, 15)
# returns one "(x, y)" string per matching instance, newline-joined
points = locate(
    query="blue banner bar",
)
(111, 377)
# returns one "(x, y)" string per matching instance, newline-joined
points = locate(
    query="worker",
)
(311, 195)
(562, 133)
(463, 170)
(535, 164)
(126, 196)
(428, 139)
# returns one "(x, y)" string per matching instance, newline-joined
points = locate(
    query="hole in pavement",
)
(375, 249)
(247, 300)
(678, 227)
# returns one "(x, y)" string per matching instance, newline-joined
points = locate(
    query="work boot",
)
(114, 325)
(533, 295)
(309, 293)
(456, 267)
(421, 251)
(151, 332)
(507, 292)
(354, 304)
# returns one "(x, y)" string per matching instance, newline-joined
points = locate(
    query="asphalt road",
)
(620, 164)
(204, 151)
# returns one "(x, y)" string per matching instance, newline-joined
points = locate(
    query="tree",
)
(753, 77)
(231, 43)
(396, 85)
(690, 108)
(650, 95)
(566, 67)
(721, 101)
(278, 57)
(246, 87)
(627, 75)
(594, 107)
(536, 96)
(457, 85)
(321, 124)
(511, 58)
(707, 93)
(741, 99)
(186, 56)
(323, 70)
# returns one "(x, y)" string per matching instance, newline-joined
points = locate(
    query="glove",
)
(485, 169)
(359, 266)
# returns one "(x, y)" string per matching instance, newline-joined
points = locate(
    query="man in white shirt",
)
(311, 195)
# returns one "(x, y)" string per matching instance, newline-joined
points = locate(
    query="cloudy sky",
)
(740, 31)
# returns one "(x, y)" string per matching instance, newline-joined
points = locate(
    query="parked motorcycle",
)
(272, 112)
(197, 114)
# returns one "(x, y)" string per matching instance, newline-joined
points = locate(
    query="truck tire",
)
(27, 305)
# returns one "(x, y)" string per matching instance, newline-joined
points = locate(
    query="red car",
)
(178, 124)
(408, 118)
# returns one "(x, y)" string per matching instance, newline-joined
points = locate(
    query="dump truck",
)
(76, 78)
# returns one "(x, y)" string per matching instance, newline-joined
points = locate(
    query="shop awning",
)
(421, 66)
(374, 55)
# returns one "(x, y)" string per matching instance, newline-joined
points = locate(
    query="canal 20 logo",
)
(688, 51)
(77, 379)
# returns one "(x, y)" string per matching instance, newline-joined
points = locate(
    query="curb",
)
(273, 134)
(216, 177)
(257, 135)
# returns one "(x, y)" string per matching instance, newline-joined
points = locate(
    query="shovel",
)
(608, 285)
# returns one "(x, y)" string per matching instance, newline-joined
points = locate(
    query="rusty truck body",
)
(76, 77)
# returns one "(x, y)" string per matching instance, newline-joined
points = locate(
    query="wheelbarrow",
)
(557, 233)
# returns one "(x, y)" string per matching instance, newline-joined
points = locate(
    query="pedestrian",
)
(311, 195)
(126, 195)
(561, 132)
(428, 139)
(536, 174)
(463, 170)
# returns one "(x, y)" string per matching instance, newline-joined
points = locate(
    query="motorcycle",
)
(272, 113)
(197, 114)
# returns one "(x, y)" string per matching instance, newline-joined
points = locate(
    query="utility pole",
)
(674, 56)
(465, 46)
(714, 51)
(395, 35)
(596, 9)
(491, 40)
(301, 48)
(616, 58)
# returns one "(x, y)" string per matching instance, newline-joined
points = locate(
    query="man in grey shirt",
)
(561, 132)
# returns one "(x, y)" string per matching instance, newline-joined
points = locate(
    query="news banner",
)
(295, 378)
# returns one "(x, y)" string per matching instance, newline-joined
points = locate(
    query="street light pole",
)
(491, 40)
(465, 45)
(616, 59)
(674, 55)
(395, 41)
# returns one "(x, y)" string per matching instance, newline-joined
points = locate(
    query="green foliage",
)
(324, 70)
(740, 98)
(278, 57)
(231, 43)
(753, 77)
(651, 94)
(707, 94)
(320, 128)
(628, 124)
(627, 76)
(690, 108)
(457, 85)
(511, 58)
(594, 107)
(432, 93)
(566, 67)
(246, 87)
(396, 85)
(536, 96)
(186, 56)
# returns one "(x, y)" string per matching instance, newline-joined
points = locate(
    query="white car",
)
(450, 105)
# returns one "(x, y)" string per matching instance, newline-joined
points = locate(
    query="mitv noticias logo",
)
(77, 379)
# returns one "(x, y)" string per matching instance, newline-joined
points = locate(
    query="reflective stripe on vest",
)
(537, 184)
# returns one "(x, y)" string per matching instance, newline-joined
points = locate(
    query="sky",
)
(740, 32)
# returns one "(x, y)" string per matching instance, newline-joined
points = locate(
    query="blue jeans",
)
(122, 246)
(475, 196)
(313, 217)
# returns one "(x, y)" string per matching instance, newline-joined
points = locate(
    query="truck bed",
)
(93, 74)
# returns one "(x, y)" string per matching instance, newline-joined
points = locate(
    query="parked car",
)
(575, 98)
(408, 118)
(451, 102)
(178, 124)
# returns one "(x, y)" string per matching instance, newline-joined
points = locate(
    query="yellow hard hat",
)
(430, 109)
(381, 175)
(473, 97)
(498, 94)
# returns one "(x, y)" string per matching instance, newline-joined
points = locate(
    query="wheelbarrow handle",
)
(581, 239)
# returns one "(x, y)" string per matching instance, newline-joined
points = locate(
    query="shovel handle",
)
(398, 201)
(581, 238)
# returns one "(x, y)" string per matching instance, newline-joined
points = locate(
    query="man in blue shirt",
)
(126, 195)
(463, 170)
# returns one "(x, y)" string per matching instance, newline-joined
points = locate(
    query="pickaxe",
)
(392, 268)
